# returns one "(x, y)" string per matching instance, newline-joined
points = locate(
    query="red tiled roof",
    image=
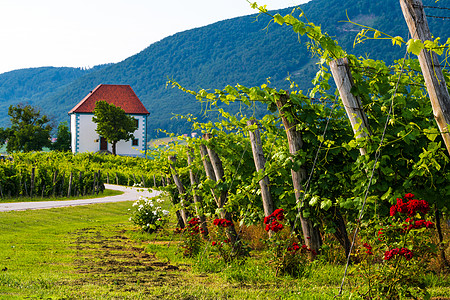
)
(122, 96)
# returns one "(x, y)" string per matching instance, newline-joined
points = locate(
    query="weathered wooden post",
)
(311, 233)
(80, 183)
(55, 176)
(32, 181)
(69, 191)
(434, 80)
(431, 68)
(176, 178)
(353, 107)
(260, 164)
(219, 173)
(198, 201)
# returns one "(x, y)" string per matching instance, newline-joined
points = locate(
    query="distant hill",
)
(238, 50)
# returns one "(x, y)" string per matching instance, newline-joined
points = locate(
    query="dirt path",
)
(130, 194)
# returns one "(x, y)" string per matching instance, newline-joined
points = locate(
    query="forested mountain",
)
(240, 50)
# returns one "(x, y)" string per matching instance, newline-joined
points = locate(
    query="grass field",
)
(94, 252)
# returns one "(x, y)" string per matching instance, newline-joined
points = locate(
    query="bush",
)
(148, 216)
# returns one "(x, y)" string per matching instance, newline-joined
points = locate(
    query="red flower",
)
(369, 252)
(278, 214)
(194, 221)
(409, 196)
(393, 210)
(304, 247)
(405, 252)
(295, 246)
(367, 246)
(213, 243)
(223, 222)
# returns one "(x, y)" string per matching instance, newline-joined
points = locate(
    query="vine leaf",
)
(415, 46)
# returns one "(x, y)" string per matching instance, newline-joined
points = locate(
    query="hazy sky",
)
(85, 33)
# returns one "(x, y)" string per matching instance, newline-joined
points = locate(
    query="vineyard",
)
(56, 174)
(340, 164)
(369, 178)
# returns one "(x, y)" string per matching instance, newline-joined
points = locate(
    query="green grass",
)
(94, 252)
(105, 193)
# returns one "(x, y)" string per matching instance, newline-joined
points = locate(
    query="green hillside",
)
(238, 50)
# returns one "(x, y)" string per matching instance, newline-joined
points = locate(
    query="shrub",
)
(396, 252)
(147, 215)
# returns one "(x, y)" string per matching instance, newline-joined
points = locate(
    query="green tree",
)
(113, 123)
(29, 130)
(62, 138)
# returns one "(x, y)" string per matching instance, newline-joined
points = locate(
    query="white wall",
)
(87, 140)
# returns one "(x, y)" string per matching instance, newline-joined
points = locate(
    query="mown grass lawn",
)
(94, 252)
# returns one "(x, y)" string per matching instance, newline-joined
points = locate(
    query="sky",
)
(86, 33)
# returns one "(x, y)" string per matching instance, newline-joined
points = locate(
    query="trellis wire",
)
(314, 164)
(377, 156)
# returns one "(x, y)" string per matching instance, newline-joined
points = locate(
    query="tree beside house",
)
(84, 130)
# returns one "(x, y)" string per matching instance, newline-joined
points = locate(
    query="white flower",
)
(155, 212)
(165, 212)
(159, 200)
(135, 203)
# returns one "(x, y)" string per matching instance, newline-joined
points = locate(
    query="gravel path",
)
(130, 194)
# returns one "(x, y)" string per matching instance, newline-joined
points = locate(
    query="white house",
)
(84, 136)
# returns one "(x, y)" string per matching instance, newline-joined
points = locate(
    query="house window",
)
(135, 142)
(136, 122)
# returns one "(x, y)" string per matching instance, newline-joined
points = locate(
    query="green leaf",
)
(326, 204)
(431, 133)
(415, 46)
(278, 19)
(398, 40)
(314, 200)
(376, 34)
(387, 194)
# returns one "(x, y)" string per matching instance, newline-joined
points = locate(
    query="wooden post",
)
(176, 178)
(219, 173)
(208, 170)
(207, 163)
(80, 182)
(69, 191)
(344, 82)
(429, 63)
(32, 181)
(260, 163)
(154, 181)
(198, 201)
(55, 176)
(62, 184)
(107, 178)
(117, 179)
(143, 180)
(311, 233)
